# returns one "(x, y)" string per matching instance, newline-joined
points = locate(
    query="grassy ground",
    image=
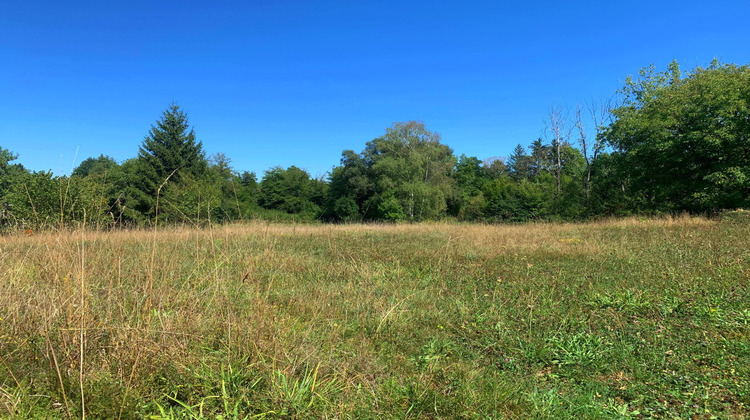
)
(629, 318)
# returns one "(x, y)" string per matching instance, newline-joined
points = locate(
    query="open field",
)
(615, 319)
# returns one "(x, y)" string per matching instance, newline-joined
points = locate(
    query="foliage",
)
(346, 209)
(169, 152)
(8, 171)
(677, 142)
(514, 201)
(9, 175)
(683, 141)
(404, 174)
(351, 180)
(520, 164)
(291, 190)
(95, 166)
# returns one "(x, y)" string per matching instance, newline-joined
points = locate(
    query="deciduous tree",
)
(685, 141)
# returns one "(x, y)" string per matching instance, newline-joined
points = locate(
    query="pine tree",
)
(171, 146)
(169, 152)
(520, 163)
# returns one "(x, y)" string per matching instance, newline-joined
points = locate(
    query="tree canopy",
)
(406, 174)
(676, 141)
(683, 142)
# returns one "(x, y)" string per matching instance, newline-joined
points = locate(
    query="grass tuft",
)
(611, 319)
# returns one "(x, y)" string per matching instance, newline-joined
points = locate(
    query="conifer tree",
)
(170, 151)
(171, 146)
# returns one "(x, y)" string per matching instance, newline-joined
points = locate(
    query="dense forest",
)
(669, 142)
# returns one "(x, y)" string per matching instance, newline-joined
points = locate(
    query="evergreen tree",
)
(170, 149)
(541, 157)
(520, 163)
(171, 146)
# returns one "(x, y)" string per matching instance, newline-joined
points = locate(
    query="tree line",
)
(673, 142)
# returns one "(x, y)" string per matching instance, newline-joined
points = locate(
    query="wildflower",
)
(713, 310)
(440, 326)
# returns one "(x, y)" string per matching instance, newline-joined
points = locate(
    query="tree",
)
(404, 174)
(352, 181)
(520, 164)
(541, 158)
(684, 142)
(136, 192)
(246, 186)
(609, 191)
(346, 209)
(248, 191)
(559, 133)
(9, 175)
(171, 146)
(495, 167)
(510, 200)
(599, 114)
(92, 166)
(470, 177)
(233, 203)
(169, 150)
(410, 168)
(7, 170)
(290, 190)
(195, 201)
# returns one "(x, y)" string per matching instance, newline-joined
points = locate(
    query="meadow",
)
(641, 318)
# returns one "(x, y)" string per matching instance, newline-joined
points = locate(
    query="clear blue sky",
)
(296, 82)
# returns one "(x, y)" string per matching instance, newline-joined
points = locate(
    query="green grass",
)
(617, 319)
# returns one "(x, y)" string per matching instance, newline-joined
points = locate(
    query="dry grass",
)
(431, 320)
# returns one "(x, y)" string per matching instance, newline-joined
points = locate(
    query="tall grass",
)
(609, 319)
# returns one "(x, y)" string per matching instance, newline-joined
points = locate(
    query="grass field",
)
(627, 318)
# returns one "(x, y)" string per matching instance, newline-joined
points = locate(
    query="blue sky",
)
(296, 82)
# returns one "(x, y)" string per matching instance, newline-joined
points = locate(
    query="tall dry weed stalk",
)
(393, 313)
(83, 315)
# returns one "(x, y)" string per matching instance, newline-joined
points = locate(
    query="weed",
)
(581, 349)
(629, 302)
(644, 317)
